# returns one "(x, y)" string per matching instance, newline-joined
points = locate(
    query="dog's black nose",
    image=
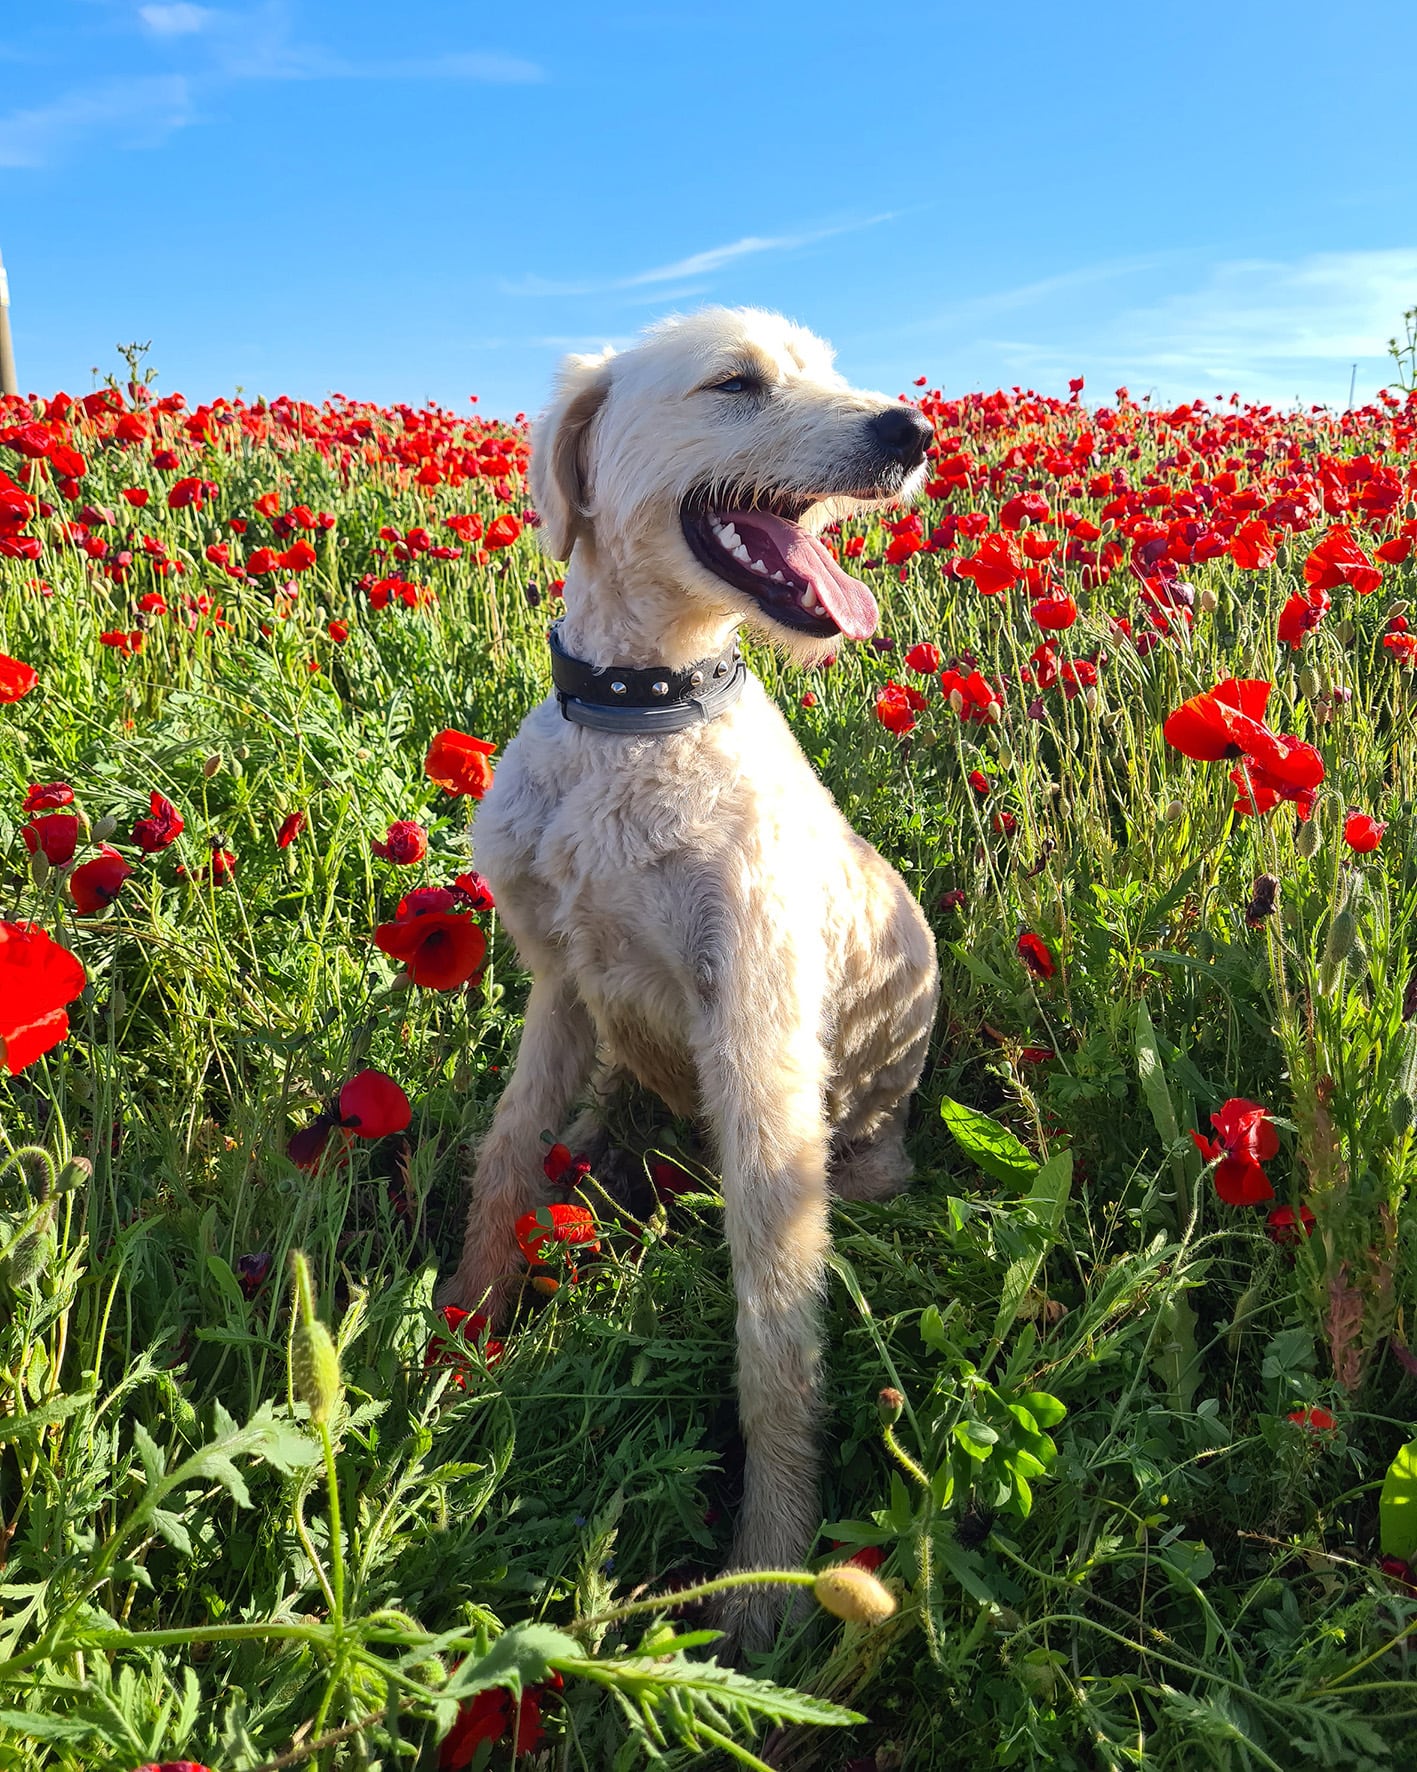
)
(903, 434)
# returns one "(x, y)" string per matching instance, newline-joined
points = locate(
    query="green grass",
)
(1184, 1578)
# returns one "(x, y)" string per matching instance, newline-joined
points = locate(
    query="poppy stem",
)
(702, 1591)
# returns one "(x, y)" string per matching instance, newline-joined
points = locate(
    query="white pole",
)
(9, 383)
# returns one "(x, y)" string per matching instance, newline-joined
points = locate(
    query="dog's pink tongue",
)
(848, 602)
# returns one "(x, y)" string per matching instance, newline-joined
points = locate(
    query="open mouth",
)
(770, 557)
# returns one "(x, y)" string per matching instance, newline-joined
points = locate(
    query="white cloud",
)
(1275, 329)
(138, 112)
(697, 264)
(178, 20)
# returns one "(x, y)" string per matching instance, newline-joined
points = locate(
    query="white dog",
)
(695, 911)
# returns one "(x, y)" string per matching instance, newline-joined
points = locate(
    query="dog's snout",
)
(902, 434)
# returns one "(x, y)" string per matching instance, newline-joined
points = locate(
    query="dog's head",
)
(706, 460)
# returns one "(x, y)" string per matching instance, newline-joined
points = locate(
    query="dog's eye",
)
(734, 384)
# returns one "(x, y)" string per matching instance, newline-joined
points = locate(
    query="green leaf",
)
(1046, 1410)
(977, 1438)
(1048, 1196)
(521, 1656)
(34, 1421)
(172, 1529)
(1397, 1505)
(44, 1726)
(992, 1146)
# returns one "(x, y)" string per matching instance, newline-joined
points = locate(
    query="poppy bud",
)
(1342, 934)
(1310, 684)
(314, 1361)
(1090, 698)
(1281, 557)
(850, 1592)
(1400, 1114)
(956, 703)
(1208, 600)
(211, 765)
(1397, 609)
(117, 1001)
(1411, 510)
(1344, 632)
(1309, 839)
(75, 1172)
(39, 868)
(30, 1255)
(1175, 812)
(889, 1403)
(105, 828)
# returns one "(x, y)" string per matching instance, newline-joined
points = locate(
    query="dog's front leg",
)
(557, 1046)
(762, 1073)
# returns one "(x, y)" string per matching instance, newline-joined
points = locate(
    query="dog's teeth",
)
(728, 535)
(758, 566)
(778, 579)
(808, 599)
(741, 553)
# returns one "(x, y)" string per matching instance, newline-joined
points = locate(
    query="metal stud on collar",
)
(617, 688)
(659, 688)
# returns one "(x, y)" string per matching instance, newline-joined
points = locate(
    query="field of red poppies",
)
(1122, 1395)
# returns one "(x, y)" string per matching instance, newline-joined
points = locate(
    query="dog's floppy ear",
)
(558, 467)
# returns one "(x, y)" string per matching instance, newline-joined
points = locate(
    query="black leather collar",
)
(646, 699)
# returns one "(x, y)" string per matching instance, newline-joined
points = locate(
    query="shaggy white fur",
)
(694, 909)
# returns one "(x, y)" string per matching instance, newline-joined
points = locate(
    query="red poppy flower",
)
(894, 709)
(457, 762)
(298, 557)
(1362, 832)
(1396, 551)
(1284, 1225)
(501, 532)
(996, 566)
(1224, 722)
(924, 658)
(1316, 1420)
(173, 1766)
(1245, 1139)
(1033, 951)
(123, 641)
(163, 825)
(137, 496)
(221, 867)
(1253, 547)
(56, 834)
(291, 827)
(979, 781)
(307, 1146)
(487, 1717)
(372, 1105)
(1055, 612)
(96, 884)
(869, 1557)
(466, 1328)
(38, 979)
(48, 798)
(1402, 1573)
(1301, 615)
(251, 1271)
(440, 949)
(1403, 648)
(972, 697)
(672, 1179)
(1293, 773)
(475, 891)
(16, 678)
(572, 1226)
(406, 843)
(1338, 560)
(262, 560)
(562, 1168)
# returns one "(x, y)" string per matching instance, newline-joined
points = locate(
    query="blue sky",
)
(433, 199)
